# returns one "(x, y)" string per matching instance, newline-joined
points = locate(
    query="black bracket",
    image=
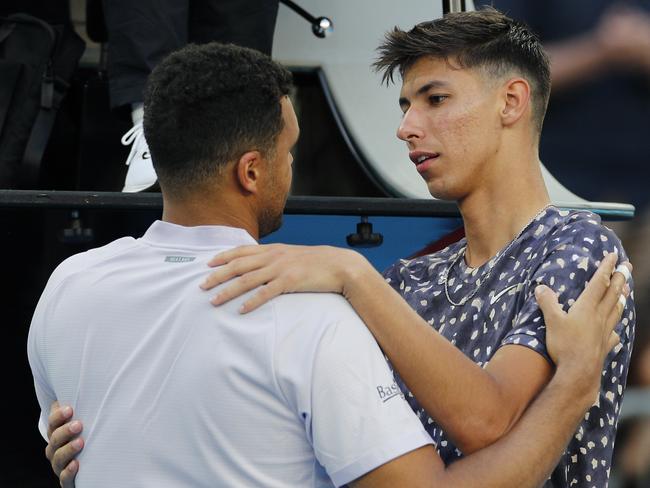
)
(76, 233)
(364, 237)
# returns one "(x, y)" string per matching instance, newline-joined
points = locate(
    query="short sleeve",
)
(393, 277)
(359, 419)
(572, 257)
(354, 414)
(44, 392)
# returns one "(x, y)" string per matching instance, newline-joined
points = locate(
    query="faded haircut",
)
(484, 39)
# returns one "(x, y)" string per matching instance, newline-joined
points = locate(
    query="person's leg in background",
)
(140, 34)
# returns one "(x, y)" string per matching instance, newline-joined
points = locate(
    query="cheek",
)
(469, 136)
(455, 134)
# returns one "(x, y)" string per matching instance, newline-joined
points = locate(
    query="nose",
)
(410, 129)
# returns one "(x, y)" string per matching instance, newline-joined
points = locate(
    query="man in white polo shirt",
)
(175, 393)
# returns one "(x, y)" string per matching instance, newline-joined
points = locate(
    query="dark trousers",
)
(142, 32)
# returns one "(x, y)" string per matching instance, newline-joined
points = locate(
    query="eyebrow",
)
(423, 90)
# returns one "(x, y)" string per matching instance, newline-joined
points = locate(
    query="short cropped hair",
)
(206, 105)
(485, 39)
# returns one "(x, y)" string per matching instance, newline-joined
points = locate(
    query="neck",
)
(497, 212)
(203, 210)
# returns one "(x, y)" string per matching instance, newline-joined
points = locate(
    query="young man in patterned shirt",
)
(474, 92)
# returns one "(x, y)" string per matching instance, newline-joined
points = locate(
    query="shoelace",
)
(132, 136)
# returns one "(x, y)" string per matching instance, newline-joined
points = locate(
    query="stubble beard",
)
(270, 222)
(271, 215)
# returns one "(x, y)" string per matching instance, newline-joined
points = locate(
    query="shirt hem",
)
(380, 455)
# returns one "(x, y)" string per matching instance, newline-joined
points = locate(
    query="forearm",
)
(530, 451)
(463, 398)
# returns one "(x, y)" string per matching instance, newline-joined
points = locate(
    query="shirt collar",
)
(208, 236)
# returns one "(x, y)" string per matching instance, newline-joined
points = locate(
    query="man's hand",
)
(281, 268)
(579, 340)
(64, 444)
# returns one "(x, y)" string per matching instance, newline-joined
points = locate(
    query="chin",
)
(444, 189)
(440, 192)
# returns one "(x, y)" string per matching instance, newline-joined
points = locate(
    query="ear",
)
(249, 170)
(516, 100)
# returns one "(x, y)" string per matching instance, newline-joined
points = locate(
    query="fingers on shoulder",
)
(601, 279)
(263, 295)
(547, 301)
(616, 296)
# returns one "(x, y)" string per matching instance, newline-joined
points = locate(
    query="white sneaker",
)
(140, 174)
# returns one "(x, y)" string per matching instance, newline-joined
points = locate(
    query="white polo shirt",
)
(175, 392)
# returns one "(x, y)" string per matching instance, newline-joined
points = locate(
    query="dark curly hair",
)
(484, 39)
(206, 105)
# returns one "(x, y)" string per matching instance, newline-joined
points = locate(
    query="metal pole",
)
(453, 6)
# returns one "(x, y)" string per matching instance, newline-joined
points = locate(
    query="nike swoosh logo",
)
(500, 294)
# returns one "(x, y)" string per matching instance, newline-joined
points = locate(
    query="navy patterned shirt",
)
(560, 249)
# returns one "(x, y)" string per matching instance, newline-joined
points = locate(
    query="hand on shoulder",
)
(281, 268)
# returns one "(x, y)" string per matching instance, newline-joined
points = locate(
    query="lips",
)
(423, 160)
